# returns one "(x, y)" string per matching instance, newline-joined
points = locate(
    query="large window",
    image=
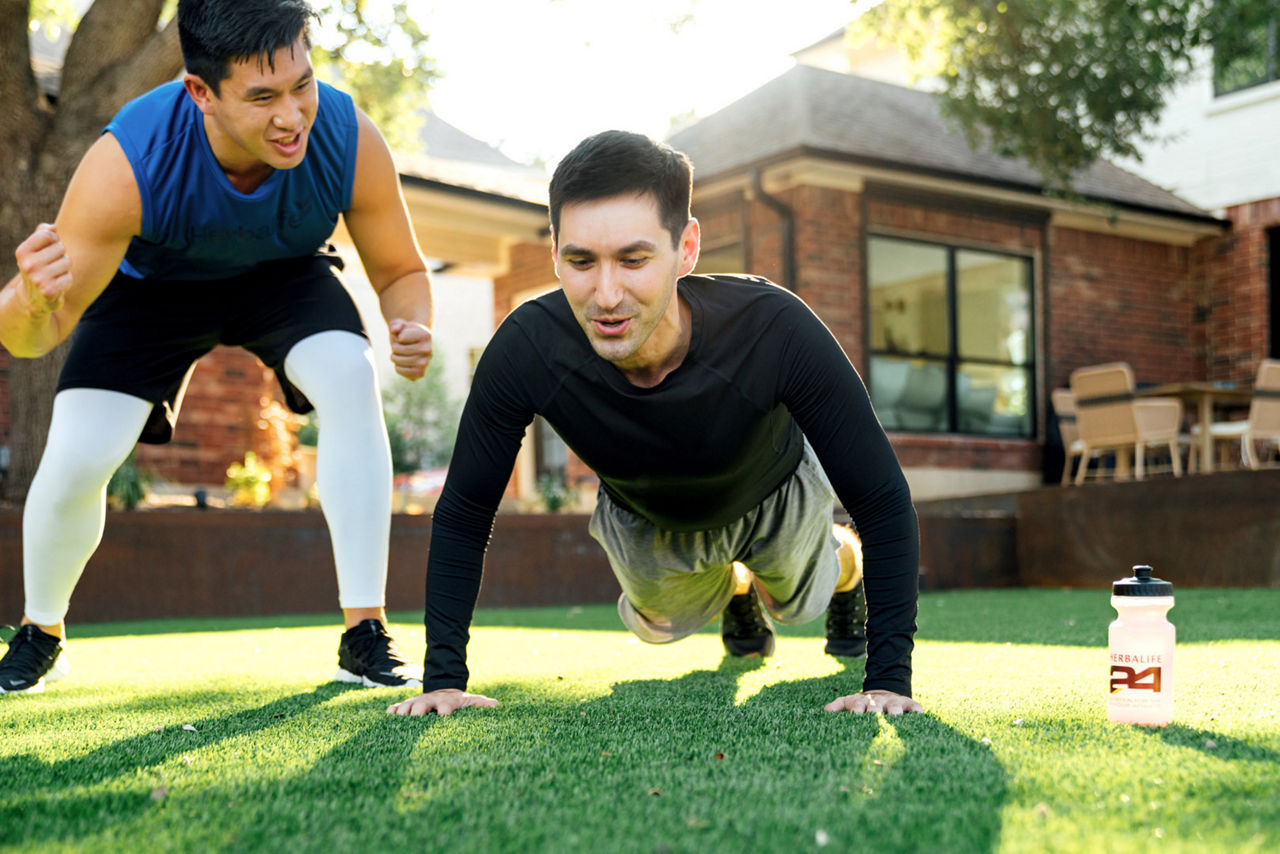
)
(1247, 56)
(951, 339)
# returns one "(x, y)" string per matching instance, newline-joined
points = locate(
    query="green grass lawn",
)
(227, 736)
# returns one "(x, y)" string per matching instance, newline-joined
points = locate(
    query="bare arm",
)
(379, 224)
(63, 267)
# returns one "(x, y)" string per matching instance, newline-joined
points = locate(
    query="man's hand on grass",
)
(443, 702)
(875, 700)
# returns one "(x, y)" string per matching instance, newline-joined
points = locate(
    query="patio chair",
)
(1263, 423)
(1110, 418)
(1064, 408)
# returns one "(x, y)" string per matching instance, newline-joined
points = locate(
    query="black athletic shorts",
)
(143, 337)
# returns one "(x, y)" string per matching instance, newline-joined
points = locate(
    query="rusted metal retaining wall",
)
(1222, 530)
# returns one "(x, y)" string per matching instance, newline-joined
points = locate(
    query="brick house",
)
(959, 289)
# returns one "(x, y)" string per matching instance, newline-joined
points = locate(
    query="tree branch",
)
(110, 34)
(85, 110)
(159, 61)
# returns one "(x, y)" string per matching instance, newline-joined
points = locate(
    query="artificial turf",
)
(226, 736)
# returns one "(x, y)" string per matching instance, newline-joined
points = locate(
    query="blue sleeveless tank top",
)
(195, 224)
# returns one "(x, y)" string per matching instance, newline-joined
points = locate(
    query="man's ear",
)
(199, 92)
(555, 255)
(690, 246)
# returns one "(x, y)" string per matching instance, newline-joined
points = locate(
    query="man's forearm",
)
(408, 298)
(24, 331)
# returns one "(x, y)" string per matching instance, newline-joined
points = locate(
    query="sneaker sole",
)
(37, 688)
(344, 675)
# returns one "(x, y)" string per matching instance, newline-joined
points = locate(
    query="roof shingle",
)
(849, 117)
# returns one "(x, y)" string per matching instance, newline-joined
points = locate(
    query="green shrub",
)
(127, 487)
(249, 482)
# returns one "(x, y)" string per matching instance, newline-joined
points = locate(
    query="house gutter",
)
(788, 218)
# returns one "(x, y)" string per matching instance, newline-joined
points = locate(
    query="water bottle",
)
(1141, 644)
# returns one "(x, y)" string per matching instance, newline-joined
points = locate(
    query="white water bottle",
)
(1141, 641)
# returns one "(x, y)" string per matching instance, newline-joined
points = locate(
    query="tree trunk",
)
(116, 54)
(31, 381)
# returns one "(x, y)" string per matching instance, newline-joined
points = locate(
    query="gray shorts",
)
(674, 583)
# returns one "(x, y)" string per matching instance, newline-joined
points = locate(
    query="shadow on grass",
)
(45, 789)
(656, 765)
(700, 762)
(916, 785)
(1212, 744)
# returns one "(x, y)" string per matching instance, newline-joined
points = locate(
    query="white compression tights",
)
(91, 434)
(353, 460)
(93, 431)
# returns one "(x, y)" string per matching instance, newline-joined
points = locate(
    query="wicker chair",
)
(1064, 408)
(1109, 417)
(1263, 423)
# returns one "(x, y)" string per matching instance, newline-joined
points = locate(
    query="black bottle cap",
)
(1141, 583)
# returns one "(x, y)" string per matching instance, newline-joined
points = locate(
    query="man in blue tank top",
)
(198, 219)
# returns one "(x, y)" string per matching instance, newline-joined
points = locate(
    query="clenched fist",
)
(45, 270)
(410, 348)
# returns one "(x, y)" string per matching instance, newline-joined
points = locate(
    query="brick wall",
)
(1119, 299)
(1234, 302)
(530, 267)
(829, 263)
(219, 420)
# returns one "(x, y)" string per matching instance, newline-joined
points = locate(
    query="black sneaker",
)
(369, 656)
(33, 657)
(847, 623)
(744, 628)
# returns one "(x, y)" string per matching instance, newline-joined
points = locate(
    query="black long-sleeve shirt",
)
(697, 451)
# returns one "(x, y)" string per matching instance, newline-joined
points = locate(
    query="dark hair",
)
(215, 33)
(616, 163)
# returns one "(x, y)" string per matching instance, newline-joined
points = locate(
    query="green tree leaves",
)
(1059, 83)
(378, 54)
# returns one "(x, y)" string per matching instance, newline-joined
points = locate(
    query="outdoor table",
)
(1203, 397)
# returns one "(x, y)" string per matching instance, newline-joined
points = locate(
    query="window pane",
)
(994, 311)
(909, 394)
(908, 297)
(1249, 59)
(725, 259)
(941, 366)
(993, 401)
(552, 455)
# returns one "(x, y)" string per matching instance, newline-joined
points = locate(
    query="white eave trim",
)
(490, 216)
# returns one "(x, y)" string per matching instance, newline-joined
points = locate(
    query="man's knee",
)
(651, 627)
(336, 354)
